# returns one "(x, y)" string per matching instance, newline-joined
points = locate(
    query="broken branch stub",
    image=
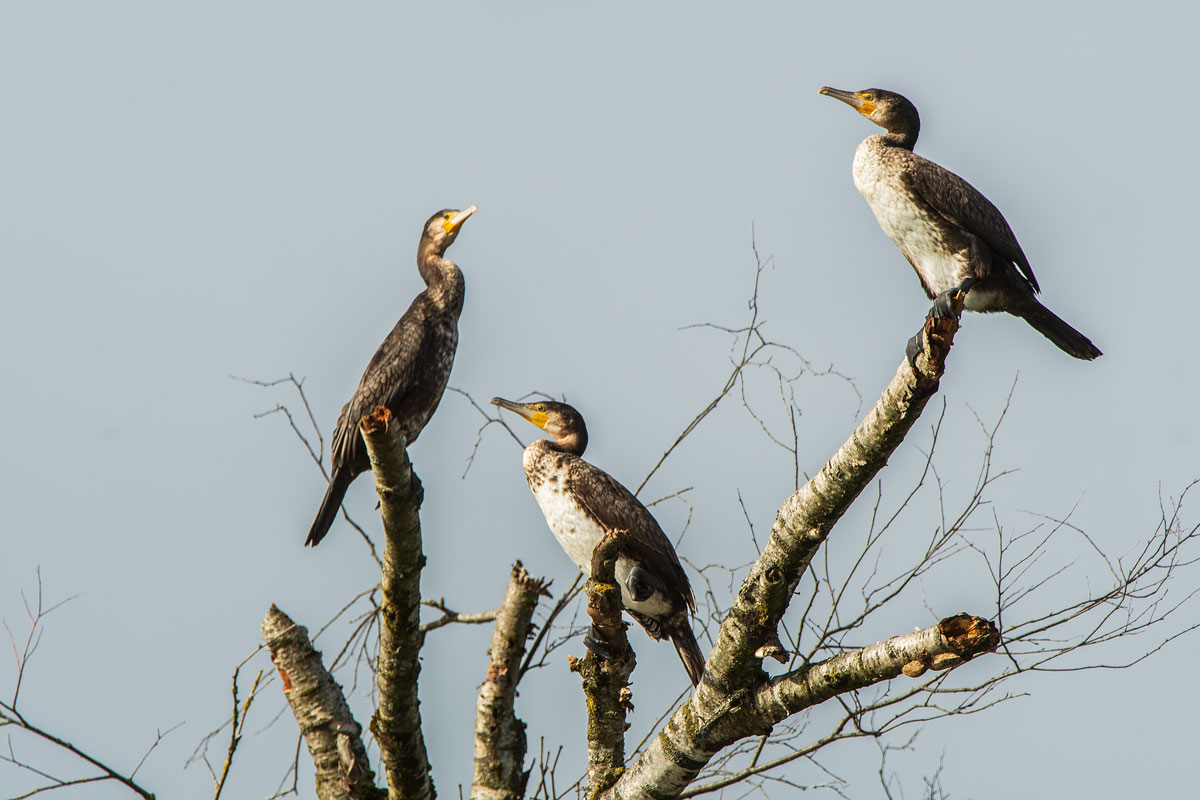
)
(333, 736)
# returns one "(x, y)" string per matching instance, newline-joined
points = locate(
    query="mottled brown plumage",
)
(582, 502)
(409, 371)
(951, 234)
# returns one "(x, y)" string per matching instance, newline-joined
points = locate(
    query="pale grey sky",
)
(192, 190)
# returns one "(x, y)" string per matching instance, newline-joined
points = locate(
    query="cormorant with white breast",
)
(951, 234)
(581, 503)
(409, 371)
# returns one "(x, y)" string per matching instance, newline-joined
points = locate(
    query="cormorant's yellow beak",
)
(852, 99)
(534, 412)
(453, 224)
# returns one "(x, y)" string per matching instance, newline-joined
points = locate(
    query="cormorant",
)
(409, 371)
(581, 503)
(951, 234)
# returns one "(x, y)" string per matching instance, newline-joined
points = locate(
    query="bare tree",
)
(793, 602)
(741, 725)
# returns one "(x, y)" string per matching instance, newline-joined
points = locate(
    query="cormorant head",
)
(443, 227)
(886, 109)
(560, 420)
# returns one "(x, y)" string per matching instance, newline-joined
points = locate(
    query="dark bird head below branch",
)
(442, 228)
(886, 109)
(563, 423)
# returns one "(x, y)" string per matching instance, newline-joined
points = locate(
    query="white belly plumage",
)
(915, 232)
(578, 535)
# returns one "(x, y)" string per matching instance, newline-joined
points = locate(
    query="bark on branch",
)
(499, 735)
(806, 518)
(724, 707)
(396, 724)
(606, 679)
(330, 731)
(951, 642)
(944, 646)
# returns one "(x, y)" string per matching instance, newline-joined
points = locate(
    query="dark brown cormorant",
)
(951, 234)
(409, 371)
(581, 503)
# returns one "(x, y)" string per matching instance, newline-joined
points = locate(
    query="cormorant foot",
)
(640, 584)
(913, 349)
(944, 305)
(418, 489)
(594, 640)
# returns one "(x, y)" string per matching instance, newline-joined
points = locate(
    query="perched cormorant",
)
(581, 503)
(409, 371)
(951, 234)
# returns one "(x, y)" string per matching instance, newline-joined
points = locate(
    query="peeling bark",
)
(499, 735)
(396, 724)
(330, 731)
(606, 679)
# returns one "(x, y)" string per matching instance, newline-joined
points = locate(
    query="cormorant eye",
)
(868, 96)
(542, 407)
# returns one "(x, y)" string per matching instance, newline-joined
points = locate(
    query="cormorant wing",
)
(965, 206)
(615, 508)
(387, 378)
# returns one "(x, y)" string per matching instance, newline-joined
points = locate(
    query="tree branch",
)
(333, 736)
(396, 724)
(449, 616)
(540, 639)
(951, 642)
(318, 453)
(11, 715)
(606, 679)
(237, 725)
(499, 735)
(715, 715)
(806, 518)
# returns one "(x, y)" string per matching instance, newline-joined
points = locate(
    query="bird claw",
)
(947, 305)
(914, 348)
(418, 489)
(594, 640)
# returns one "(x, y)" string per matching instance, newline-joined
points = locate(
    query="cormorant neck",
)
(904, 136)
(442, 276)
(574, 443)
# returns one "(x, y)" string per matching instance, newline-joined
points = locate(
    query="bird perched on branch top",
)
(409, 371)
(951, 234)
(581, 503)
